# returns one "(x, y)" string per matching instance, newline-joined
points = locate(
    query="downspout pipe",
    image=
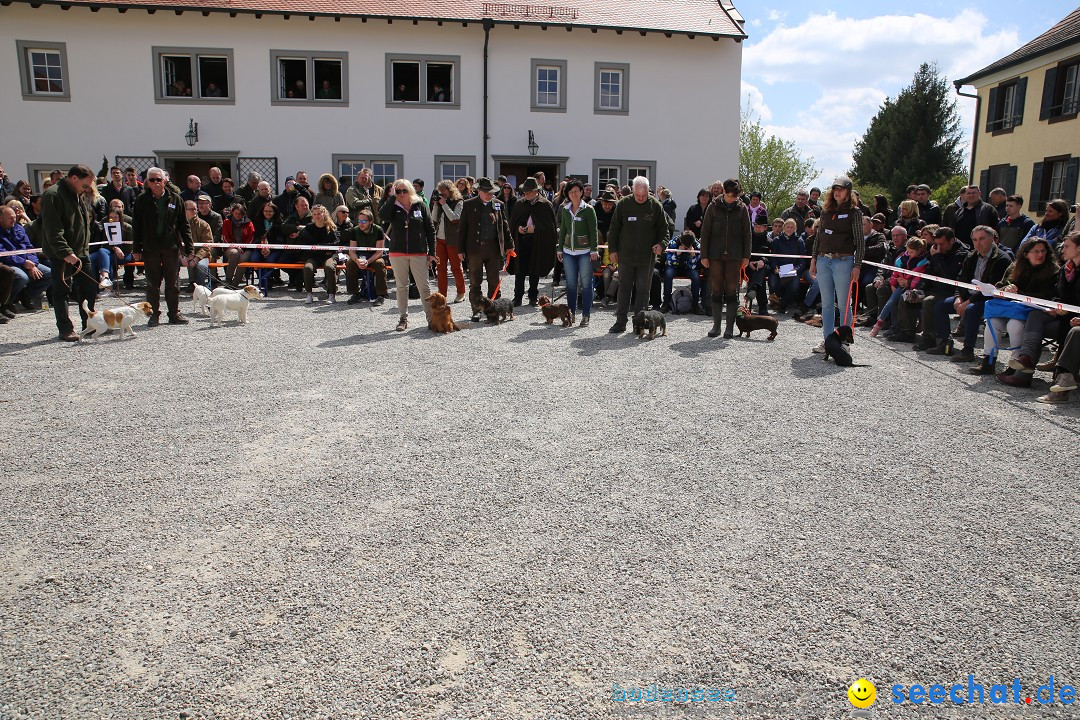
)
(974, 130)
(488, 24)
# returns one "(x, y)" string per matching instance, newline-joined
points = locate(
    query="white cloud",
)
(776, 15)
(751, 98)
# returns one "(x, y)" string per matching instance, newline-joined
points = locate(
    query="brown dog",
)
(440, 319)
(748, 323)
(555, 312)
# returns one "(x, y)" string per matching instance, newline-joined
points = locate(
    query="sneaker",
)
(1065, 382)
(459, 298)
(353, 299)
(820, 349)
(877, 328)
(331, 298)
(618, 327)
(105, 282)
(584, 321)
(1022, 363)
(310, 299)
(966, 355)
(178, 319)
(1055, 398)
(378, 301)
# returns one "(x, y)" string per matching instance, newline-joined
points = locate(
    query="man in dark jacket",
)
(117, 190)
(159, 235)
(876, 293)
(946, 259)
(638, 233)
(986, 264)
(1014, 227)
(929, 211)
(532, 223)
(726, 242)
(802, 209)
(485, 238)
(66, 220)
(973, 211)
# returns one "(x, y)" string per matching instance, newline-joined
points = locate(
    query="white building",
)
(606, 90)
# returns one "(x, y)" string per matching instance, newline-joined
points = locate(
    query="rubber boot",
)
(717, 313)
(729, 327)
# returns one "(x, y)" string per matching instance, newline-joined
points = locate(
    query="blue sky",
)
(817, 73)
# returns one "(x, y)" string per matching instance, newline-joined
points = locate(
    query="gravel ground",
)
(313, 516)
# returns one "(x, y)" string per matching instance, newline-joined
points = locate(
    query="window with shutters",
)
(1061, 91)
(1005, 109)
(1052, 179)
(998, 176)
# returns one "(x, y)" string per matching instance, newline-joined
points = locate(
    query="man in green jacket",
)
(160, 234)
(638, 233)
(66, 221)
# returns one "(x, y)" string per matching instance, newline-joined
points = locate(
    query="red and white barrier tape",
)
(9, 253)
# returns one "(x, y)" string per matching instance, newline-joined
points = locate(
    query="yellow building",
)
(1027, 134)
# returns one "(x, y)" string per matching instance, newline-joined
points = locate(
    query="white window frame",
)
(368, 161)
(423, 61)
(309, 57)
(599, 69)
(24, 48)
(469, 161)
(195, 54)
(624, 167)
(559, 66)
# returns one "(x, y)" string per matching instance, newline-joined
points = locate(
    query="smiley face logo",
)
(862, 693)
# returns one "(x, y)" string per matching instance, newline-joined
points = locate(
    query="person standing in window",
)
(437, 93)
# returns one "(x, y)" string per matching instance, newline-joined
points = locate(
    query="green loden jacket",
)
(65, 222)
(635, 228)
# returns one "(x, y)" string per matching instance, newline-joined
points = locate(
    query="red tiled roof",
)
(690, 17)
(1066, 32)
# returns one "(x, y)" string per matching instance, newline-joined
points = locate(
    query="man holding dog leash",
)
(66, 222)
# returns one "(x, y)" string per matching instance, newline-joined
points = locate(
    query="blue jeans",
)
(890, 304)
(695, 283)
(265, 273)
(812, 293)
(101, 261)
(33, 287)
(578, 269)
(834, 279)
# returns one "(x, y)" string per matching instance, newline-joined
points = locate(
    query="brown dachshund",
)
(555, 312)
(440, 320)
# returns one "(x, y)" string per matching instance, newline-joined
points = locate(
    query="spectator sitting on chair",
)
(788, 242)
(902, 284)
(31, 276)
(107, 257)
(1034, 274)
(1066, 366)
(760, 266)
(946, 258)
(987, 264)
(237, 230)
(321, 231)
(366, 233)
(683, 263)
(1015, 226)
(878, 291)
(1055, 218)
(270, 234)
(198, 265)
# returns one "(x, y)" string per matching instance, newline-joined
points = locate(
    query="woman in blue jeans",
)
(839, 246)
(577, 249)
(268, 233)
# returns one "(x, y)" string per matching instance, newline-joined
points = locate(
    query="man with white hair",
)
(638, 233)
(160, 235)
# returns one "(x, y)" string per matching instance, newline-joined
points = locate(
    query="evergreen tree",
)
(912, 139)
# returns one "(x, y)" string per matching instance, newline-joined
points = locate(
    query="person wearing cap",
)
(726, 243)
(160, 236)
(638, 233)
(412, 244)
(837, 255)
(485, 238)
(757, 210)
(532, 223)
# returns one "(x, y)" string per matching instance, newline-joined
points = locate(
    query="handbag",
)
(1001, 308)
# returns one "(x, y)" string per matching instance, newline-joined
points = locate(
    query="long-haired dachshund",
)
(440, 319)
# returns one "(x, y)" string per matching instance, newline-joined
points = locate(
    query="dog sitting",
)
(834, 346)
(232, 300)
(748, 323)
(650, 320)
(439, 319)
(555, 312)
(121, 318)
(200, 299)
(497, 310)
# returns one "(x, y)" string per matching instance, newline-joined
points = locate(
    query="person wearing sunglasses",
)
(412, 244)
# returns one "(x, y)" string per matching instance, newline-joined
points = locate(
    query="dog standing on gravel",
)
(236, 300)
(748, 323)
(440, 319)
(497, 310)
(200, 300)
(555, 312)
(121, 318)
(650, 320)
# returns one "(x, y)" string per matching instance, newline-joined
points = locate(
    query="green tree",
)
(912, 139)
(772, 166)
(946, 193)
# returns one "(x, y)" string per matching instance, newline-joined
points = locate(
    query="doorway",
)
(516, 172)
(180, 167)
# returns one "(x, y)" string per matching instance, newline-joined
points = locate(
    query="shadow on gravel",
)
(542, 332)
(696, 348)
(593, 345)
(815, 367)
(12, 348)
(354, 340)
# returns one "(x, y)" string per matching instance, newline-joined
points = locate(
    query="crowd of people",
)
(828, 258)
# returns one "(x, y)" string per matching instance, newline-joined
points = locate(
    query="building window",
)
(621, 172)
(1061, 91)
(998, 176)
(309, 78)
(449, 167)
(1005, 106)
(193, 75)
(43, 70)
(1052, 179)
(548, 85)
(425, 80)
(612, 88)
(384, 168)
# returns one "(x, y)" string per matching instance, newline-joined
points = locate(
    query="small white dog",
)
(200, 300)
(232, 300)
(121, 318)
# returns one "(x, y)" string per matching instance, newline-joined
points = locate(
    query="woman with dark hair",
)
(696, 212)
(1050, 229)
(1066, 366)
(881, 205)
(269, 234)
(237, 230)
(726, 242)
(577, 248)
(839, 246)
(507, 197)
(1034, 273)
(445, 215)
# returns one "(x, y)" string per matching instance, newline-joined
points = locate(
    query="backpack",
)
(682, 301)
